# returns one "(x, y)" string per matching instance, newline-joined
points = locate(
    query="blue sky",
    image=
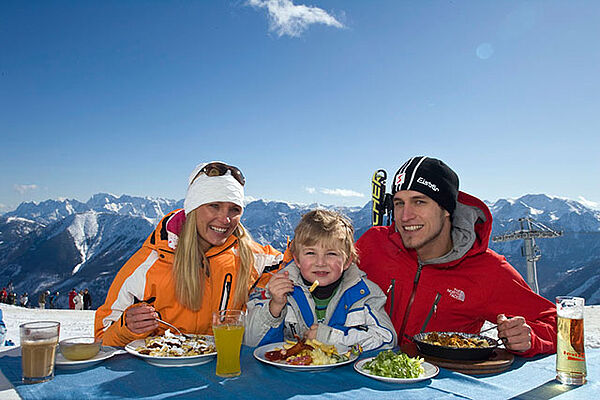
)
(307, 98)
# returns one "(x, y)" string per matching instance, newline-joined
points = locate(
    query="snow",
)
(13, 219)
(81, 322)
(72, 322)
(83, 229)
(535, 211)
(588, 203)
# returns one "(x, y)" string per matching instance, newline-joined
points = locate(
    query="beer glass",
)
(38, 348)
(570, 351)
(228, 328)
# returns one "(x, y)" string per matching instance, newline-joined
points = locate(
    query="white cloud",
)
(22, 189)
(310, 190)
(341, 192)
(287, 18)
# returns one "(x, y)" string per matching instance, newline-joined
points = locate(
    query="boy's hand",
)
(278, 287)
(312, 332)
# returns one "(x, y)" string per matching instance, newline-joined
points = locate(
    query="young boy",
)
(343, 307)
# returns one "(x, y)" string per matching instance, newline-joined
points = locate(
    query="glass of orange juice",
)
(228, 328)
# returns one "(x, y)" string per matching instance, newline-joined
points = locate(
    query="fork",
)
(489, 329)
(174, 327)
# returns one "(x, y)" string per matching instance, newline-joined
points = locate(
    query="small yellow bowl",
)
(80, 348)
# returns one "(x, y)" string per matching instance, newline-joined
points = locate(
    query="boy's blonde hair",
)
(330, 227)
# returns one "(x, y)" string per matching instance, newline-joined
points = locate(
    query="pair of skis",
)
(382, 212)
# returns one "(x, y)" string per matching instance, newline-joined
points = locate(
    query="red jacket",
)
(72, 295)
(469, 290)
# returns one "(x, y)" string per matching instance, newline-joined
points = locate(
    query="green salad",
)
(395, 365)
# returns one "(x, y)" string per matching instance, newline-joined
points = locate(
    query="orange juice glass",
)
(228, 328)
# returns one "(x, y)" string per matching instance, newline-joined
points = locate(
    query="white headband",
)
(208, 189)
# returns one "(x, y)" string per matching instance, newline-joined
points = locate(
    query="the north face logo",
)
(456, 294)
(400, 179)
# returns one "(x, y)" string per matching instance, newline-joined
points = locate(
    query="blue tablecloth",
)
(125, 376)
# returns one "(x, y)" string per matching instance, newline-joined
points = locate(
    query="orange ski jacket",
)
(147, 277)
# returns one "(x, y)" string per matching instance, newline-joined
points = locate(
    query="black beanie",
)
(431, 177)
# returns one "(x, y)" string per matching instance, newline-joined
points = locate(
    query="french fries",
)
(314, 285)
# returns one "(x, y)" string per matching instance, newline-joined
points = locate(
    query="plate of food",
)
(392, 367)
(173, 350)
(306, 355)
(104, 353)
(456, 345)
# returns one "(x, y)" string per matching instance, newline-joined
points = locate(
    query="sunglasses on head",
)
(220, 169)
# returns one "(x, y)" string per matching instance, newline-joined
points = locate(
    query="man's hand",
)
(516, 332)
(141, 318)
(278, 287)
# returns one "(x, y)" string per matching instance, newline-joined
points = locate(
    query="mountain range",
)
(58, 245)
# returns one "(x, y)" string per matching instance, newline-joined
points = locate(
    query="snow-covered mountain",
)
(58, 245)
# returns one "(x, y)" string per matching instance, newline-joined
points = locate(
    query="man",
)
(72, 295)
(87, 300)
(24, 299)
(42, 299)
(435, 265)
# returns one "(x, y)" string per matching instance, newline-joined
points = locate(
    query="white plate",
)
(104, 353)
(184, 361)
(430, 371)
(259, 354)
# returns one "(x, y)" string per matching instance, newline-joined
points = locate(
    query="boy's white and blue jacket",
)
(355, 314)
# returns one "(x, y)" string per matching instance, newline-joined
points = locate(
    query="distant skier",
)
(78, 300)
(54, 300)
(42, 298)
(11, 298)
(72, 295)
(23, 300)
(87, 299)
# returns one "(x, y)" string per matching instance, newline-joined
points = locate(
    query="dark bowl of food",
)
(455, 345)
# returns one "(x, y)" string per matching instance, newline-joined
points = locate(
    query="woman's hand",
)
(141, 318)
(278, 287)
(516, 331)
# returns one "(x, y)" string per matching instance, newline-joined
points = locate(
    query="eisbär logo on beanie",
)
(431, 177)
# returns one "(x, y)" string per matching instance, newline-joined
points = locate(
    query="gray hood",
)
(463, 233)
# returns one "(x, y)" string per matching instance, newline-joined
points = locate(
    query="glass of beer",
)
(38, 348)
(570, 350)
(228, 328)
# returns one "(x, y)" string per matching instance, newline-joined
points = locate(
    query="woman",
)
(78, 300)
(197, 261)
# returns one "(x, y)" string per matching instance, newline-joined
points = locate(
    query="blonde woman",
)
(199, 259)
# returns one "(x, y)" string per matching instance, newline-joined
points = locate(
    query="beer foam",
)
(568, 313)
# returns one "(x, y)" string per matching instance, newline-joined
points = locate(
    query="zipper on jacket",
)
(225, 293)
(410, 301)
(433, 309)
(393, 289)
